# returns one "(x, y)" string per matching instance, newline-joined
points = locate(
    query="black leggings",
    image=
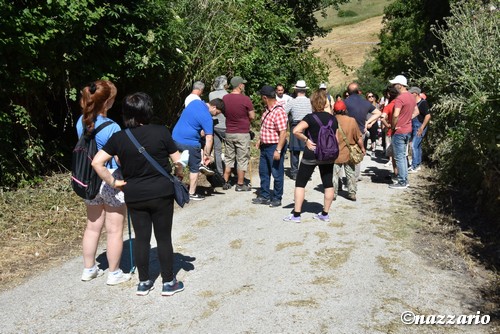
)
(158, 214)
(305, 172)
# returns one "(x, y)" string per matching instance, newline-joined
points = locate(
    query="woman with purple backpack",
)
(307, 131)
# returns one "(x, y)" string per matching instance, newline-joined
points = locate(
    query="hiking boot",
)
(117, 277)
(351, 197)
(398, 186)
(226, 186)
(292, 218)
(261, 200)
(319, 216)
(243, 187)
(170, 288)
(90, 274)
(205, 170)
(275, 203)
(144, 287)
(196, 197)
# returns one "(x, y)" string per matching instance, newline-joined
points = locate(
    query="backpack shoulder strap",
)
(317, 119)
(102, 126)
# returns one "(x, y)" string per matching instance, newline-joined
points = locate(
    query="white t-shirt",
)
(190, 98)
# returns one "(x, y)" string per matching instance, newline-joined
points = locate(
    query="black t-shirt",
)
(144, 182)
(423, 108)
(313, 129)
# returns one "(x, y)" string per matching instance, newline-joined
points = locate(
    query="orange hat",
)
(339, 106)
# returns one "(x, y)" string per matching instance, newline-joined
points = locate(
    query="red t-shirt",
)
(405, 101)
(237, 108)
(388, 109)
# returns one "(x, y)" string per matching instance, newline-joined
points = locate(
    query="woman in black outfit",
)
(148, 194)
(306, 128)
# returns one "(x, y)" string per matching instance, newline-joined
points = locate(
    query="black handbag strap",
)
(145, 153)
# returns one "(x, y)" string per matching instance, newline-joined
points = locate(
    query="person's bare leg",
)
(329, 194)
(95, 222)
(241, 176)
(299, 196)
(193, 182)
(115, 217)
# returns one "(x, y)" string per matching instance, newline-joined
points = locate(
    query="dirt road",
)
(247, 271)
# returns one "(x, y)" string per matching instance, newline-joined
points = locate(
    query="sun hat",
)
(399, 79)
(236, 81)
(267, 91)
(415, 90)
(301, 84)
(339, 106)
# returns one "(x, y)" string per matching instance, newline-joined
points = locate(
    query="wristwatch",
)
(279, 151)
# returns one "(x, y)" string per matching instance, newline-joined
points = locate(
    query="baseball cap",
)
(339, 106)
(236, 81)
(267, 91)
(322, 85)
(399, 79)
(415, 90)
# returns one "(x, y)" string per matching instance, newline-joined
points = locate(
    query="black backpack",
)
(84, 180)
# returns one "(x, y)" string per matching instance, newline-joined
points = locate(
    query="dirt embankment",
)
(352, 44)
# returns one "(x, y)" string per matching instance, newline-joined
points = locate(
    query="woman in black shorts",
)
(307, 131)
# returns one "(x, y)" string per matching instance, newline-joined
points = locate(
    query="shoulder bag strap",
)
(143, 151)
(345, 138)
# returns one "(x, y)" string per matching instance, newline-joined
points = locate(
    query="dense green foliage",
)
(405, 40)
(465, 83)
(52, 48)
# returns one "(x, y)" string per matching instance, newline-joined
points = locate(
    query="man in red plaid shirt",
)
(272, 145)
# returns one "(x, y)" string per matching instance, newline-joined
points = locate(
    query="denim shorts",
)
(194, 156)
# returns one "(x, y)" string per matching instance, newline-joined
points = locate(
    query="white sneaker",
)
(120, 277)
(88, 275)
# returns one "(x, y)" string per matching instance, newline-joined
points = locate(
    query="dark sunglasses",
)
(370, 96)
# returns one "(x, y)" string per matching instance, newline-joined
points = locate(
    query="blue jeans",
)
(267, 167)
(416, 144)
(294, 162)
(399, 144)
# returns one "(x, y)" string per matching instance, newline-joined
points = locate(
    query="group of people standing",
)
(223, 127)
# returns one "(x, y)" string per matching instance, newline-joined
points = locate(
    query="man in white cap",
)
(296, 109)
(404, 108)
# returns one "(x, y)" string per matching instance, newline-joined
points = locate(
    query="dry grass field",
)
(351, 44)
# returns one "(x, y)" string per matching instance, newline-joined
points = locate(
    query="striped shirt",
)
(273, 122)
(298, 108)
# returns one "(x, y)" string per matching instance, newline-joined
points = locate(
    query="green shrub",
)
(465, 83)
(346, 13)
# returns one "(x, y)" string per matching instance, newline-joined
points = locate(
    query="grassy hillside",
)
(353, 12)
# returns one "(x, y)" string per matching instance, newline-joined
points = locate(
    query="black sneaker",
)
(243, 187)
(205, 170)
(226, 186)
(275, 203)
(261, 200)
(144, 287)
(196, 197)
(171, 288)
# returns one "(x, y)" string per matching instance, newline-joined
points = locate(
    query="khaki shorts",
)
(237, 149)
(109, 195)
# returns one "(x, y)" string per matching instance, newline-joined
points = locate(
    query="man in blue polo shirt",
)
(359, 108)
(196, 122)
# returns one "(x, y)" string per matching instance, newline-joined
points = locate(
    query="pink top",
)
(405, 101)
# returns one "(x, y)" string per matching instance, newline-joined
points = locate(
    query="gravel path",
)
(247, 271)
